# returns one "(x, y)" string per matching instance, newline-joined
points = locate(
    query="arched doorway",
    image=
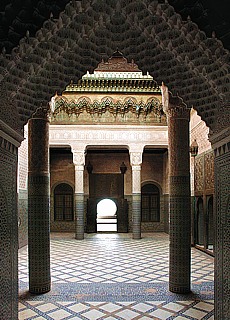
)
(150, 203)
(63, 202)
(106, 216)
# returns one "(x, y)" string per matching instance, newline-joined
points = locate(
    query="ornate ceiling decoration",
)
(117, 63)
(153, 34)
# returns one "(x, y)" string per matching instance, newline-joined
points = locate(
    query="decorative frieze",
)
(112, 135)
(124, 110)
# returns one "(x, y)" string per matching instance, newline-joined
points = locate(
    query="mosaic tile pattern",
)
(8, 230)
(111, 276)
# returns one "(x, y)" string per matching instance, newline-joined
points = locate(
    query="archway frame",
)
(197, 69)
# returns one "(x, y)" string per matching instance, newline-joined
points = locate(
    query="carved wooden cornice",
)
(99, 108)
(114, 85)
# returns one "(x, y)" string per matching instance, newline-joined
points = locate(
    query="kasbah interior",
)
(122, 103)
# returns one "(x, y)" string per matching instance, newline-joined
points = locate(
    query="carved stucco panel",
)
(111, 135)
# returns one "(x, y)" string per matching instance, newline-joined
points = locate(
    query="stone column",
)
(136, 160)
(179, 194)
(39, 202)
(9, 142)
(179, 197)
(79, 162)
(221, 146)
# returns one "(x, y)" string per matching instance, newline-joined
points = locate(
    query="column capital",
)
(174, 106)
(177, 109)
(78, 158)
(135, 159)
(42, 112)
(135, 154)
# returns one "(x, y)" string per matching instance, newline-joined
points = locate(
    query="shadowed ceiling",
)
(19, 16)
(192, 64)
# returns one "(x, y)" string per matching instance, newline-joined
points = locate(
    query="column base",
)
(79, 236)
(39, 289)
(136, 236)
(179, 289)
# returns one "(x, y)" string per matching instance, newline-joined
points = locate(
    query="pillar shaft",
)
(136, 159)
(137, 216)
(179, 207)
(79, 202)
(222, 227)
(39, 203)
(79, 207)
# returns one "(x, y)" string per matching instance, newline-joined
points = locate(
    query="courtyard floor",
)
(112, 276)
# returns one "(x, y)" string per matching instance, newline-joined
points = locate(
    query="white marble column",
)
(79, 162)
(136, 160)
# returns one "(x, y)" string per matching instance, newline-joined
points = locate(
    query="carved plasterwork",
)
(199, 174)
(199, 132)
(135, 158)
(109, 135)
(177, 109)
(78, 158)
(108, 109)
(209, 170)
(117, 63)
(42, 113)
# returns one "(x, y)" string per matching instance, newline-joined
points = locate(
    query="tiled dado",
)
(111, 276)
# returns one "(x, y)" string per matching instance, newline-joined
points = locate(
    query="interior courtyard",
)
(114, 184)
(109, 184)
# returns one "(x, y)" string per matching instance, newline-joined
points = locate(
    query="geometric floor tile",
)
(112, 276)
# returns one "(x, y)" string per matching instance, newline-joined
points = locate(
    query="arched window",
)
(150, 203)
(63, 202)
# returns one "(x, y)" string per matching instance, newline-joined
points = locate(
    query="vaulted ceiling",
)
(173, 50)
(18, 16)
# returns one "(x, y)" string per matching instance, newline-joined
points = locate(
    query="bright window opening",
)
(106, 216)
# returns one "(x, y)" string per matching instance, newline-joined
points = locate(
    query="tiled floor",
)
(111, 276)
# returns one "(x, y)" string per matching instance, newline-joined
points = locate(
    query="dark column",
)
(179, 196)
(39, 203)
(222, 226)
